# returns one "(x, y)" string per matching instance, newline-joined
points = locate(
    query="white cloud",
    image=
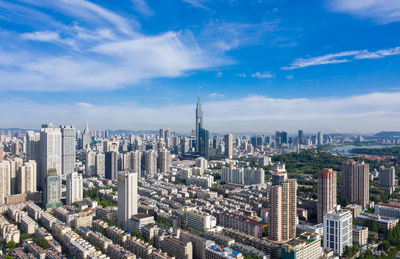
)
(218, 74)
(241, 75)
(197, 3)
(47, 36)
(289, 77)
(382, 11)
(262, 75)
(216, 95)
(142, 7)
(363, 113)
(342, 57)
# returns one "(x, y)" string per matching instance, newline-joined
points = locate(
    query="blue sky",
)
(260, 65)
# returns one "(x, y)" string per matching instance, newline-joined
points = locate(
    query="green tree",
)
(11, 245)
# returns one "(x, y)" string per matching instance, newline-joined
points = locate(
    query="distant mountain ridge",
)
(386, 134)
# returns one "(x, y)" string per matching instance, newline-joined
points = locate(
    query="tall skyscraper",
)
(86, 138)
(127, 197)
(283, 211)
(228, 139)
(111, 165)
(50, 151)
(326, 193)
(52, 190)
(68, 135)
(199, 123)
(338, 230)
(320, 138)
(150, 162)
(204, 143)
(300, 137)
(164, 160)
(74, 187)
(355, 182)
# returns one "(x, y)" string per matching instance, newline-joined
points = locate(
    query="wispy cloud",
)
(218, 74)
(241, 75)
(227, 36)
(100, 55)
(47, 36)
(362, 113)
(197, 3)
(382, 11)
(142, 7)
(216, 95)
(342, 57)
(262, 75)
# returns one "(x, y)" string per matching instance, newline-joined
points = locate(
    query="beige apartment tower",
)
(282, 211)
(326, 193)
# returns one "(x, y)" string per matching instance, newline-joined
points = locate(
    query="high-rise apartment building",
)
(27, 177)
(74, 187)
(300, 137)
(164, 160)
(68, 142)
(355, 182)
(150, 161)
(326, 193)
(283, 211)
(387, 178)
(33, 148)
(228, 139)
(127, 197)
(5, 181)
(135, 158)
(50, 151)
(52, 190)
(338, 230)
(111, 165)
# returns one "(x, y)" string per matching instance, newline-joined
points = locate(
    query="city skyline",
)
(280, 65)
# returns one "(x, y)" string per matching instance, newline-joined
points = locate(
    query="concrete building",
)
(74, 187)
(283, 211)
(246, 176)
(177, 248)
(388, 210)
(214, 251)
(228, 140)
(150, 159)
(138, 221)
(27, 177)
(5, 181)
(387, 179)
(164, 160)
(68, 153)
(355, 209)
(383, 223)
(50, 152)
(199, 222)
(355, 182)
(279, 174)
(338, 230)
(307, 246)
(111, 165)
(241, 223)
(127, 197)
(360, 235)
(326, 193)
(52, 190)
